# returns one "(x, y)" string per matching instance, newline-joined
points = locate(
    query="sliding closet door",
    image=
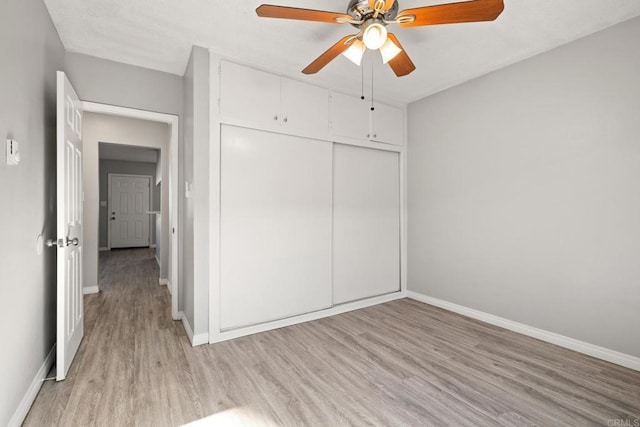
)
(366, 223)
(275, 226)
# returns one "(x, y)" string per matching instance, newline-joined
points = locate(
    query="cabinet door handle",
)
(368, 136)
(275, 117)
(284, 120)
(374, 135)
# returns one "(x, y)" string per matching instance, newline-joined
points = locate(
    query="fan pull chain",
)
(362, 83)
(372, 107)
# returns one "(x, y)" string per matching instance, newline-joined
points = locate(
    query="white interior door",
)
(70, 326)
(366, 223)
(128, 210)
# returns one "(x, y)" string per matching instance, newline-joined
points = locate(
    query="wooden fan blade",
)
(401, 64)
(329, 55)
(388, 4)
(284, 12)
(453, 13)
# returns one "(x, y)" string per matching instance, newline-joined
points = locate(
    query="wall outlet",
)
(13, 154)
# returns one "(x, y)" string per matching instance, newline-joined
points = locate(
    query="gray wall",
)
(523, 189)
(128, 168)
(196, 171)
(108, 82)
(31, 55)
(114, 83)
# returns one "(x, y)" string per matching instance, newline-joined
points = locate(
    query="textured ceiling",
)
(158, 34)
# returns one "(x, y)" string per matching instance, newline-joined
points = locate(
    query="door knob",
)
(53, 243)
(74, 241)
(113, 218)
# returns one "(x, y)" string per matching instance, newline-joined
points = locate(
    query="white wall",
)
(31, 55)
(524, 197)
(196, 172)
(116, 130)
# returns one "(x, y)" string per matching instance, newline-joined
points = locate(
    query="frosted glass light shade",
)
(389, 50)
(374, 36)
(355, 52)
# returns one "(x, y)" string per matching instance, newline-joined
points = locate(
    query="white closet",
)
(309, 202)
(275, 226)
(366, 223)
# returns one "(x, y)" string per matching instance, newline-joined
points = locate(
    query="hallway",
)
(130, 369)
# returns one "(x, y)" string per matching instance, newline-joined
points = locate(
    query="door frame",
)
(109, 178)
(168, 153)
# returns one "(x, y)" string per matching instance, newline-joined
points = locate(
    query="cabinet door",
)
(387, 124)
(275, 226)
(305, 109)
(349, 116)
(366, 223)
(249, 96)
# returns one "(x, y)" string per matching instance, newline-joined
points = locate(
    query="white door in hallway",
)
(128, 210)
(70, 319)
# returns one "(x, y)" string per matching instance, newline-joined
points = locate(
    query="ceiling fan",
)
(371, 18)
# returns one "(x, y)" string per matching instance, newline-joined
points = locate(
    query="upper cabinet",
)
(304, 108)
(387, 124)
(259, 100)
(352, 117)
(349, 117)
(265, 101)
(250, 95)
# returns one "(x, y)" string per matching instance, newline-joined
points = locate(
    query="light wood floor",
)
(397, 364)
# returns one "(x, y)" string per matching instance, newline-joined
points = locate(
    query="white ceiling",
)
(158, 34)
(128, 153)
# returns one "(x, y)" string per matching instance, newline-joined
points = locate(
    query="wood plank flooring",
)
(403, 363)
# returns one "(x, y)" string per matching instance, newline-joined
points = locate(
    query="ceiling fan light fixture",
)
(355, 52)
(374, 35)
(389, 50)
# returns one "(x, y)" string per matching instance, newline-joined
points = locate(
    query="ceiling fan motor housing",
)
(359, 10)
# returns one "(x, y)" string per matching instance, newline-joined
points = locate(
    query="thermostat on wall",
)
(13, 155)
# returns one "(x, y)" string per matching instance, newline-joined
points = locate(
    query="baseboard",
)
(164, 282)
(195, 340)
(187, 326)
(152, 246)
(103, 249)
(32, 392)
(593, 350)
(289, 321)
(200, 339)
(87, 290)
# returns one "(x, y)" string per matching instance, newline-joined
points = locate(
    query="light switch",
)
(13, 154)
